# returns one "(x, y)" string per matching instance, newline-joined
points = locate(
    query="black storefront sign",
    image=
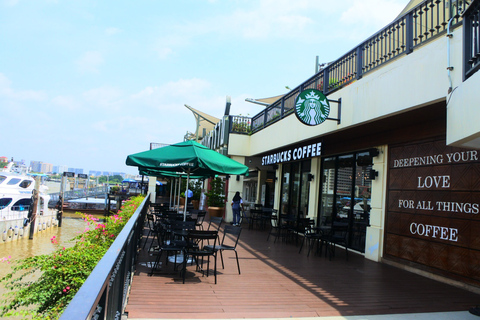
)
(300, 152)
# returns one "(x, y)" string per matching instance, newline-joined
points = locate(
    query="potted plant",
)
(215, 197)
(196, 188)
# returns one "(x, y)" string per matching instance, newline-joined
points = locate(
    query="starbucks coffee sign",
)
(312, 107)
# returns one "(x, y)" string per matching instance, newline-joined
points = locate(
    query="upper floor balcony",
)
(430, 20)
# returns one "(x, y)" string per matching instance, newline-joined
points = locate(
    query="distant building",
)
(62, 169)
(36, 166)
(75, 170)
(46, 168)
(94, 173)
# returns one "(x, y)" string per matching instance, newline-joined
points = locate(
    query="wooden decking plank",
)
(278, 282)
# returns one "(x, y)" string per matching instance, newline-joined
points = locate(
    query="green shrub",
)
(42, 286)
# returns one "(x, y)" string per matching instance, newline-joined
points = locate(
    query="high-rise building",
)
(36, 166)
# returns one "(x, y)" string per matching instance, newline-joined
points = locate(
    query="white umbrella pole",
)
(186, 197)
(179, 193)
(171, 191)
(175, 195)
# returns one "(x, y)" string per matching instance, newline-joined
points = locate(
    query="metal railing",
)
(104, 293)
(425, 22)
(77, 194)
(471, 39)
(240, 124)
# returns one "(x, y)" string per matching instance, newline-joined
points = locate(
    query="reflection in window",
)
(25, 183)
(5, 202)
(13, 181)
(22, 205)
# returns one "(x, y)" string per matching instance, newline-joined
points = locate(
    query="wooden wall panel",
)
(433, 208)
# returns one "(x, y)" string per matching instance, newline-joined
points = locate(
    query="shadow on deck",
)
(277, 281)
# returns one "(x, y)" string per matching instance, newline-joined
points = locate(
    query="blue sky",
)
(86, 83)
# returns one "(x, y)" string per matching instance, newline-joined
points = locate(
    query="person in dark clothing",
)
(237, 204)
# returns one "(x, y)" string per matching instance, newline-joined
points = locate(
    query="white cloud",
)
(272, 18)
(67, 102)
(112, 31)
(109, 98)
(89, 62)
(9, 93)
(100, 126)
(376, 13)
(164, 52)
(10, 3)
(178, 92)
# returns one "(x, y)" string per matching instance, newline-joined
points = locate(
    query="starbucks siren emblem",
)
(312, 107)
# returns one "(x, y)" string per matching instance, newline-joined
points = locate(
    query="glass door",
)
(346, 194)
(295, 188)
(328, 206)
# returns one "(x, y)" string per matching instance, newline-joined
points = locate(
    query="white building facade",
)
(397, 159)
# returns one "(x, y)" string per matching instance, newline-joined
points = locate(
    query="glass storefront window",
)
(328, 207)
(346, 194)
(295, 188)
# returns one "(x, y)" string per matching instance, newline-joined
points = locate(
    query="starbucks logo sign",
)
(312, 107)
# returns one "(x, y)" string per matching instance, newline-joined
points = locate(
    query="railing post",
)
(282, 107)
(326, 72)
(359, 66)
(265, 117)
(409, 33)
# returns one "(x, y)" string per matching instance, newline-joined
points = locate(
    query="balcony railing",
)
(104, 293)
(425, 22)
(471, 39)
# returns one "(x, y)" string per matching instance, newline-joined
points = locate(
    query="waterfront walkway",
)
(277, 281)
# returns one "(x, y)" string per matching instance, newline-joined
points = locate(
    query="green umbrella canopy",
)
(188, 157)
(160, 173)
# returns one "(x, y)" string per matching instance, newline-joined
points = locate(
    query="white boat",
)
(16, 189)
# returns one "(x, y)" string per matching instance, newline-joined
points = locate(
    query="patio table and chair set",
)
(288, 229)
(186, 242)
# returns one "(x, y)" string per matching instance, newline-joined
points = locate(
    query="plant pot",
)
(195, 204)
(216, 211)
(182, 201)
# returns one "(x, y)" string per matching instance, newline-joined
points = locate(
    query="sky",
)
(85, 83)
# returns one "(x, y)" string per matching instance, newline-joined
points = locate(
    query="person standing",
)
(189, 196)
(203, 200)
(237, 204)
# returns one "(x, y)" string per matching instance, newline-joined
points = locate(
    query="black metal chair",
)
(274, 227)
(176, 232)
(338, 235)
(150, 221)
(265, 216)
(199, 220)
(299, 228)
(286, 225)
(311, 236)
(229, 242)
(193, 250)
(255, 218)
(215, 223)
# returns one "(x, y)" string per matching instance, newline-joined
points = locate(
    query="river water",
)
(72, 225)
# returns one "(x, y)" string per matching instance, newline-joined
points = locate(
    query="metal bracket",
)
(339, 102)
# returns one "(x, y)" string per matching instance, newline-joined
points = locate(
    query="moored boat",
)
(16, 189)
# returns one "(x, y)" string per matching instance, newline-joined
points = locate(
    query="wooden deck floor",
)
(278, 282)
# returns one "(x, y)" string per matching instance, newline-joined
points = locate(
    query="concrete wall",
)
(463, 112)
(409, 82)
(13, 230)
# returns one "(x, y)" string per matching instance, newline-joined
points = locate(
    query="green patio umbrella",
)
(188, 157)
